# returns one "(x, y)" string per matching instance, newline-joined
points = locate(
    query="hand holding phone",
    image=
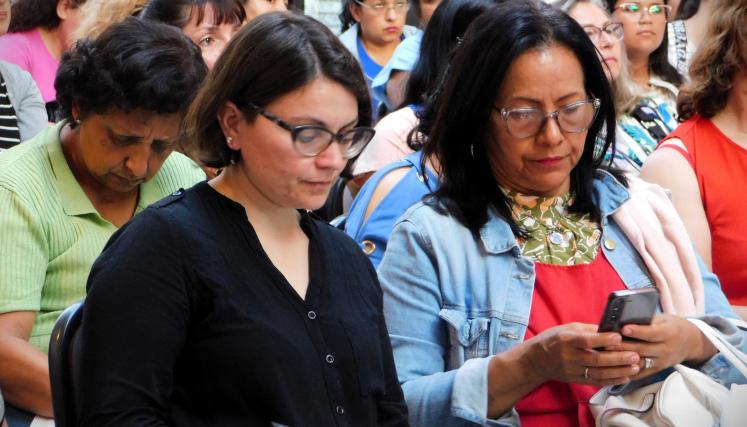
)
(636, 306)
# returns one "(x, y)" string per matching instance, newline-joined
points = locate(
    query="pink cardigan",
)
(655, 229)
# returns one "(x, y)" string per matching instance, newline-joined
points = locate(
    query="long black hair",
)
(458, 120)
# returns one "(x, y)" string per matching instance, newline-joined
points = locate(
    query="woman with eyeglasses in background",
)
(493, 287)
(639, 126)
(228, 304)
(646, 45)
(372, 30)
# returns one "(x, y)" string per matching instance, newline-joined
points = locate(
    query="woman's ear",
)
(230, 119)
(355, 11)
(64, 8)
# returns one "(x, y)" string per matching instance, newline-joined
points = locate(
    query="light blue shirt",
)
(404, 58)
(452, 301)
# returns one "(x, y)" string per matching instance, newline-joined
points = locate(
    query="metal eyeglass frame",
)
(384, 7)
(596, 103)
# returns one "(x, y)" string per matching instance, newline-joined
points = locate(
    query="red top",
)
(720, 166)
(566, 294)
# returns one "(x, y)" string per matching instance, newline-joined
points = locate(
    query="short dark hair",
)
(178, 12)
(659, 58)
(26, 15)
(448, 23)
(133, 65)
(273, 55)
(458, 119)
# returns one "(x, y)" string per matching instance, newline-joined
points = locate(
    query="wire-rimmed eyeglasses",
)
(312, 140)
(635, 9)
(381, 7)
(526, 122)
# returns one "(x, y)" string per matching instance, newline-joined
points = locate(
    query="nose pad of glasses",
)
(551, 130)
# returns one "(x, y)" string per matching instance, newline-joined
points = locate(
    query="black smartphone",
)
(636, 306)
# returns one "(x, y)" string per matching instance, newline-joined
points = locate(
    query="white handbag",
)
(686, 398)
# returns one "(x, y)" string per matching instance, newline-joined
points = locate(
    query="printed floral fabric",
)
(555, 236)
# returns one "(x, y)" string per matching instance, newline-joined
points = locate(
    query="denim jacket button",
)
(340, 410)
(330, 359)
(368, 247)
(609, 244)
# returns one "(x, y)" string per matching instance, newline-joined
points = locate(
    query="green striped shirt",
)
(50, 233)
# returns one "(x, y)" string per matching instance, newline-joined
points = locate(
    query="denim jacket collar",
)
(496, 234)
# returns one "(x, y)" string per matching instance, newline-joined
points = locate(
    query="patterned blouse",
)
(640, 130)
(555, 236)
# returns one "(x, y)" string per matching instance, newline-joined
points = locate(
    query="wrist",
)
(701, 348)
(520, 362)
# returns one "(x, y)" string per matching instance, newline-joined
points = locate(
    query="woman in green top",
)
(65, 192)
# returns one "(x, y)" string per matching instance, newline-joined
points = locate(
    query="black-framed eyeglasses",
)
(526, 122)
(312, 140)
(613, 30)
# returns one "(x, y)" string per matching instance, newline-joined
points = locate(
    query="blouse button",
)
(368, 247)
(330, 359)
(609, 244)
(556, 238)
(340, 410)
(311, 315)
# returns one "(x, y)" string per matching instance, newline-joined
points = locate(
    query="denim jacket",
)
(452, 301)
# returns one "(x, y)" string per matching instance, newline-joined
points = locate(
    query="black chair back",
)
(63, 353)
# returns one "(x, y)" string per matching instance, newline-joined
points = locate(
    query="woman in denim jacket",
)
(494, 286)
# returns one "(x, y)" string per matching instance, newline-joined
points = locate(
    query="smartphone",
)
(636, 306)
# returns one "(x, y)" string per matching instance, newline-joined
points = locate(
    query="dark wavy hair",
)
(133, 65)
(26, 15)
(273, 55)
(659, 58)
(178, 12)
(448, 23)
(722, 53)
(458, 120)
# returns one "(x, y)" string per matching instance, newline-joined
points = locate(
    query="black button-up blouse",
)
(187, 322)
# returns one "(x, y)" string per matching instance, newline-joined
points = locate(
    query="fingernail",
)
(628, 330)
(636, 368)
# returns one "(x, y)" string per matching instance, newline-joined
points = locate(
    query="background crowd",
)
(417, 221)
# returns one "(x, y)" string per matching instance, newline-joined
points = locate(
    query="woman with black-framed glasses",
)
(228, 304)
(494, 286)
